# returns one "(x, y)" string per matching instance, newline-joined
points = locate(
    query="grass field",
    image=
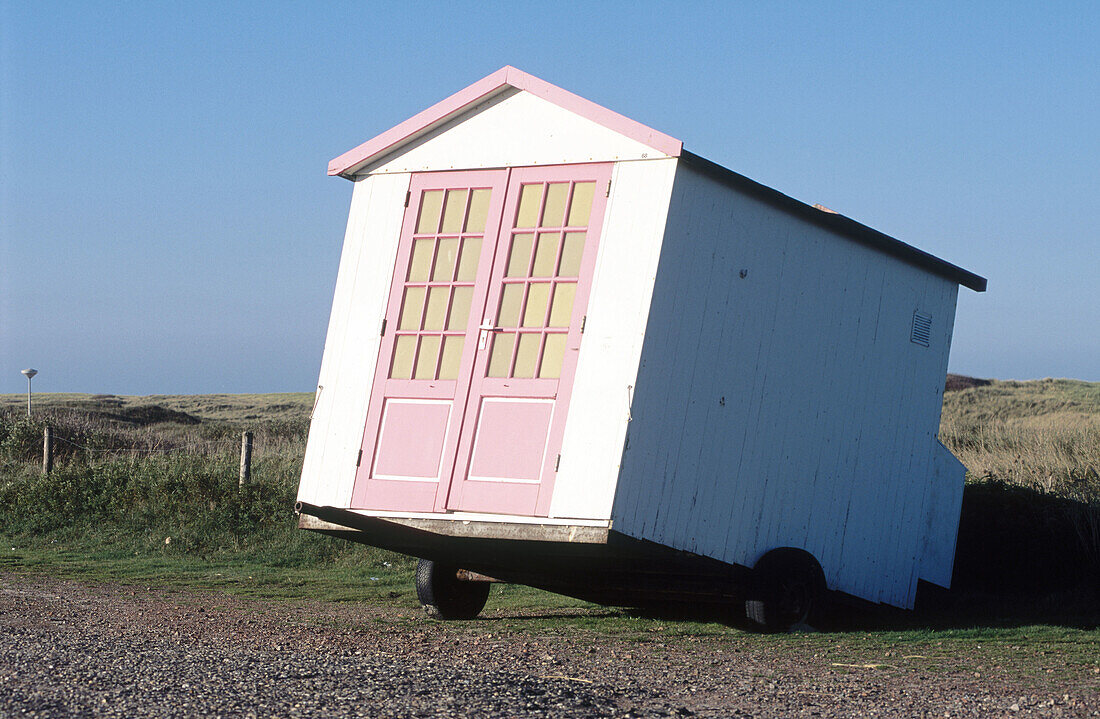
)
(145, 491)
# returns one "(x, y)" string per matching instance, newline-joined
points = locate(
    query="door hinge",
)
(608, 193)
(557, 463)
(383, 332)
(359, 459)
(583, 320)
(408, 196)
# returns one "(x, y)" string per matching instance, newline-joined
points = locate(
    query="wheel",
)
(444, 595)
(789, 586)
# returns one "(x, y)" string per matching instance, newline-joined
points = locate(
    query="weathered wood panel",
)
(779, 400)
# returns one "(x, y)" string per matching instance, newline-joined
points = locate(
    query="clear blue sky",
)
(166, 224)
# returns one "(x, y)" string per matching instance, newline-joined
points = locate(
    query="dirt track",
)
(68, 649)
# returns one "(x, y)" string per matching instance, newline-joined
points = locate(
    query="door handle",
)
(483, 333)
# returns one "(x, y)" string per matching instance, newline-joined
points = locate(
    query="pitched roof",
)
(348, 164)
(506, 77)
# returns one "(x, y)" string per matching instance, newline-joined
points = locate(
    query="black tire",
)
(788, 590)
(444, 595)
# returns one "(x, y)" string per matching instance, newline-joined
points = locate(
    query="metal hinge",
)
(583, 320)
(557, 463)
(408, 196)
(608, 193)
(359, 459)
(383, 332)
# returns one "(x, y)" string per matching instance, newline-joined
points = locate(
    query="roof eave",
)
(348, 164)
(838, 223)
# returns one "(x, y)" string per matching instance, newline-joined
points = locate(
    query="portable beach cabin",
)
(565, 351)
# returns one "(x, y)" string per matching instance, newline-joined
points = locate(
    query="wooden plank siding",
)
(354, 335)
(788, 407)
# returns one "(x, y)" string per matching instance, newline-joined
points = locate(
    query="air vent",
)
(922, 329)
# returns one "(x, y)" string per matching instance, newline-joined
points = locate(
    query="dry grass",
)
(1042, 435)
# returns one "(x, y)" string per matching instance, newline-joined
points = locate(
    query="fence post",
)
(47, 450)
(246, 460)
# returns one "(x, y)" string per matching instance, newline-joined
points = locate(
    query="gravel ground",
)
(69, 649)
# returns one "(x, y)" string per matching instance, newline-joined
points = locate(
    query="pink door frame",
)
(418, 493)
(454, 406)
(528, 498)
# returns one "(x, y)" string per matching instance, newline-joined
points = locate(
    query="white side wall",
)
(514, 129)
(354, 335)
(787, 407)
(626, 266)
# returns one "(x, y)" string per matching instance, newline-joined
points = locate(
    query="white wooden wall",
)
(512, 129)
(789, 407)
(351, 346)
(622, 286)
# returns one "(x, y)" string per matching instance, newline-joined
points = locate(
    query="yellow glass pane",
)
(479, 210)
(554, 211)
(452, 357)
(552, 354)
(546, 254)
(467, 261)
(571, 255)
(527, 355)
(421, 263)
(445, 260)
(436, 314)
(430, 204)
(455, 210)
(501, 357)
(519, 256)
(562, 307)
(425, 361)
(403, 352)
(508, 315)
(581, 207)
(411, 309)
(528, 215)
(460, 308)
(534, 315)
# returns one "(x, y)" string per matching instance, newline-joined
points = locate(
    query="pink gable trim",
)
(507, 76)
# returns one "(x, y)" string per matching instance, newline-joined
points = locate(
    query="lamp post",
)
(29, 373)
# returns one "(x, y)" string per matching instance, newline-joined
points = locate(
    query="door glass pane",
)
(501, 357)
(436, 314)
(527, 355)
(467, 261)
(510, 299)
(454, 211)
(425, 360)
(546, 254)
(403, 352)
(554, 212)
(421, 263)
(445, 260)
(411, 309)
(460, 308)
(552, 354)
(562, 308)
(534, 315)
(571, 255)
(479, 211)
(430, 203)
(452, 357)
(519, 256)
(581, 207)
(528, 215)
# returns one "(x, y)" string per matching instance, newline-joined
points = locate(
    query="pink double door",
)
(481, 337)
